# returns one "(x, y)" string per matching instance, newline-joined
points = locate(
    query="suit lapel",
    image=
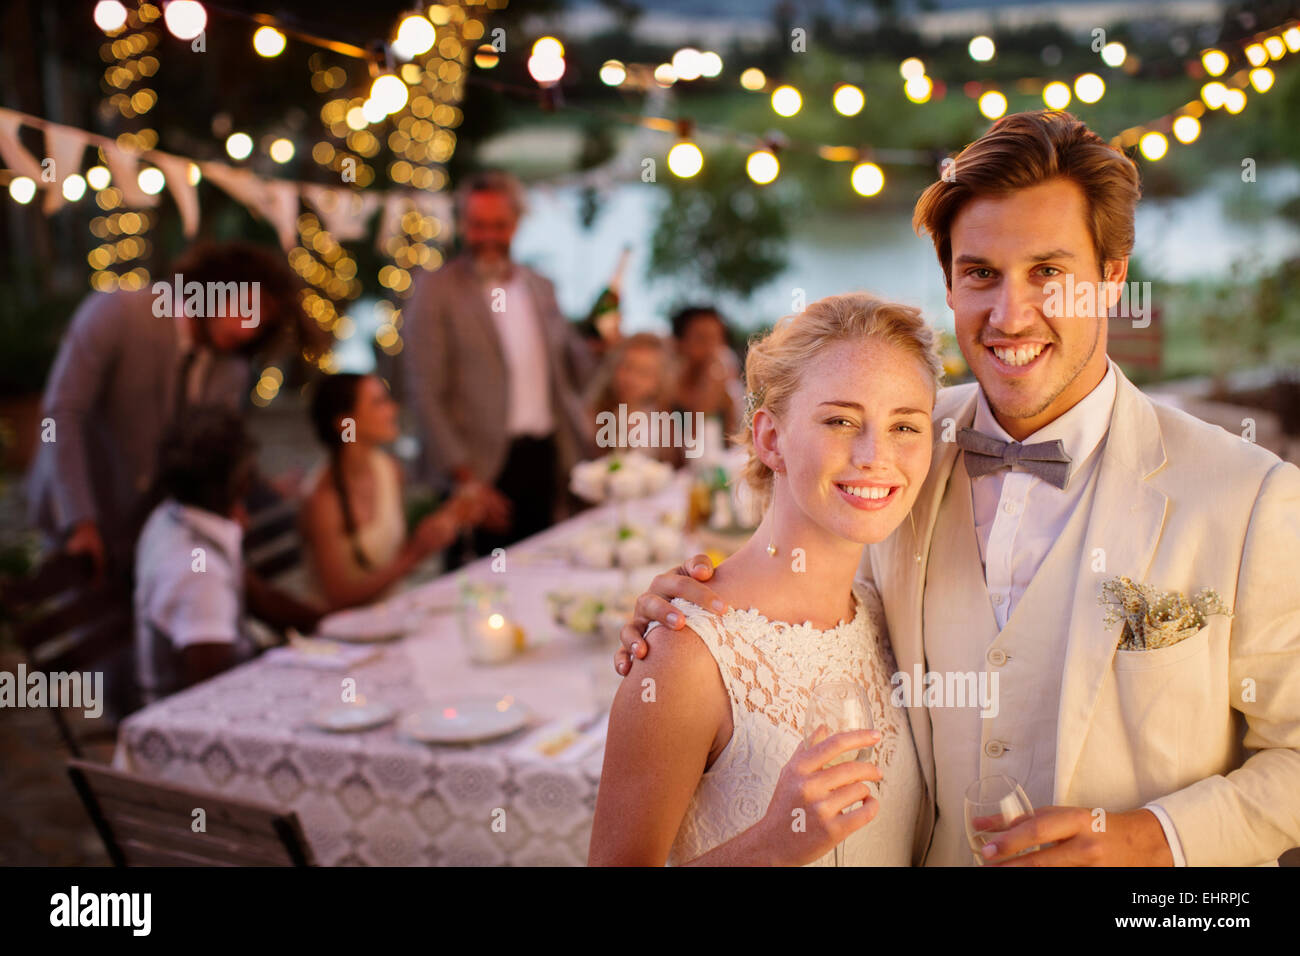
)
(477, 314)
(901, 578)
(1123, 530)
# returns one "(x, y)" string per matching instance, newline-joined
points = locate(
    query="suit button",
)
(994, 748)
(997, 656)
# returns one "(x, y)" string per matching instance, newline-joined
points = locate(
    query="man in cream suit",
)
(1188, 754)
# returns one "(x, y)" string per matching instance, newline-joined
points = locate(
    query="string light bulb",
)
(762, 166)
(981, 49)
(185, 19)
(22, 189)
(110, 15)
(613, 73)
(1186, 129)
(685, 159)
(239, 145)
(848, 100)
(1153, 145)
(388, 93)
(268, 42)
(1113, 54)
(1089, 88)
(74, 187)
(786, 101)
(1215, 62)
(1056, 95)
(992, 104)
(151, 180)
(415, 35)
(867, 179)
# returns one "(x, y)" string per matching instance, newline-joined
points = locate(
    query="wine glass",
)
(993, 804)
(833, 708)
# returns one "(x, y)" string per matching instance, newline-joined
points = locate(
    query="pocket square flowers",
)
(1154, 618)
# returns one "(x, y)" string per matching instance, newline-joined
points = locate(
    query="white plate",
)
(460, 720)
(366, 625)
(350, 718)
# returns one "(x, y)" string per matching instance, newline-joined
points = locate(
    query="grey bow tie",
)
(985, 454)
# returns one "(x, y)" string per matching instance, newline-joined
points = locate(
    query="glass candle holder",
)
(487, 624)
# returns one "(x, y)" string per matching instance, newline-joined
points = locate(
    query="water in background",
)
(1226, 228)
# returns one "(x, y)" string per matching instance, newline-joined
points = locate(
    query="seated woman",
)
(353, 523)
(638, 376)
(708, 378)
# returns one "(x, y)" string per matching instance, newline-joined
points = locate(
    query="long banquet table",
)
(379, 797)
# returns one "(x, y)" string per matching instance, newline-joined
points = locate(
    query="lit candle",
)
(493, 639)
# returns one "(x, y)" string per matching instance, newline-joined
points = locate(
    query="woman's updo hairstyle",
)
(776, 360)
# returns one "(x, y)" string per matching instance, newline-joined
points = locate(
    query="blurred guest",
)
(708, 378)
(353, 522)
(637, 375)
(495, 372)
(191, 587)
(132, 361)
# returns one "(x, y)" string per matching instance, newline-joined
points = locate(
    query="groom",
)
(1186, 754)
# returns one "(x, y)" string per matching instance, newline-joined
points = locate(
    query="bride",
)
(705, 762)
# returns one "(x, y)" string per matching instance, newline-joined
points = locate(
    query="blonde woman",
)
(637, 375)
(705, 762)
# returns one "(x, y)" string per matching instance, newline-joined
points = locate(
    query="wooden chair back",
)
(147, 823)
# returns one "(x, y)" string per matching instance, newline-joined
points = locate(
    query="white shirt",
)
(184, 596)
(528, 380)
(1018, 516)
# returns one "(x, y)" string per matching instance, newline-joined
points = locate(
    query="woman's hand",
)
(803, 822)
(653, 605)
(434, 532)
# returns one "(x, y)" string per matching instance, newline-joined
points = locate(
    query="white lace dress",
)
(768, 669)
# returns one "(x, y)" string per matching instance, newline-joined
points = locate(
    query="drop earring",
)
(915, 544)
(771, 546)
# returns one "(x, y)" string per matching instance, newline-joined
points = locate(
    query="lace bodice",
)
(769, 668)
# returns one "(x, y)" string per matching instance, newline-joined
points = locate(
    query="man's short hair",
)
(1026, 149)
(206, 459)
(491, 181)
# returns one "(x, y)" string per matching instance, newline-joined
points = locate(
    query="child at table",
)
(191, 585)
(353, 522)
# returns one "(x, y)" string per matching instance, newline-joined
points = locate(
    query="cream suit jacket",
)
(1209, 727)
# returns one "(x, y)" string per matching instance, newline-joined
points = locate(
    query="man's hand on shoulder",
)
(655, 604)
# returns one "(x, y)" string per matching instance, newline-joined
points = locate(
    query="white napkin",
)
(324, 655)
(561, 740)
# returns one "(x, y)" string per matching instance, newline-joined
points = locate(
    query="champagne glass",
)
(993, 804)
(833, 708)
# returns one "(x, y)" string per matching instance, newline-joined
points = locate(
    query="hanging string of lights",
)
(546, 64)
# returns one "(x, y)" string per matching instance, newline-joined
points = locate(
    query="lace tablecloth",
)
(378, 797)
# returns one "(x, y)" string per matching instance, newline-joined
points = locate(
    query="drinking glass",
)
(993, 804)
(833, 708)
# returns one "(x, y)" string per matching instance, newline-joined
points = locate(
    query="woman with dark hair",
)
(708, 372)
(353, 522)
